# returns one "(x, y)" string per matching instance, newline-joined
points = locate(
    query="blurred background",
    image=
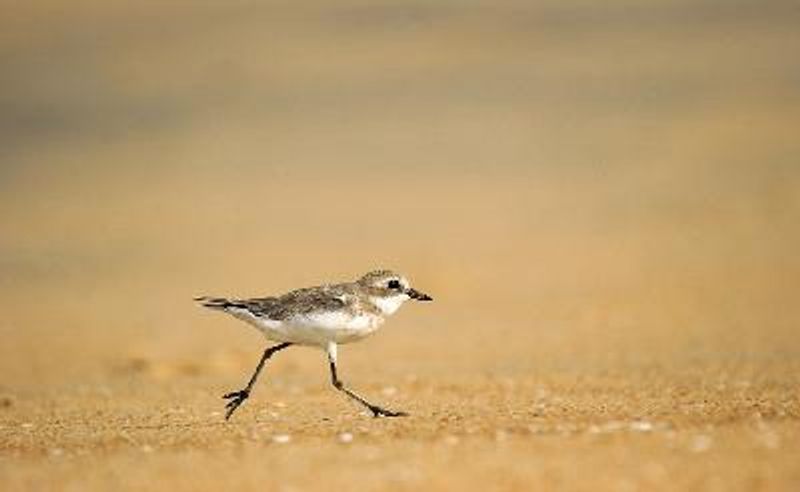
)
(547, 170)
(584, 187)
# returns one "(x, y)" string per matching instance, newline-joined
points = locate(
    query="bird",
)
(322, 316)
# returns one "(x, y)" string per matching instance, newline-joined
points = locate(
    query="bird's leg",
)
(339, 385)
(236, 398)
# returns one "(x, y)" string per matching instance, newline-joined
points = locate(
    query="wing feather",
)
(301, 301)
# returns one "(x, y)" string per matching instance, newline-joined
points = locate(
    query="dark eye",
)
(394, 284)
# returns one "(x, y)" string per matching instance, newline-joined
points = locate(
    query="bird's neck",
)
(388, 305)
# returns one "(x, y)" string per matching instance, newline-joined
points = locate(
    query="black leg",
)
(375, 409)
(238, 397)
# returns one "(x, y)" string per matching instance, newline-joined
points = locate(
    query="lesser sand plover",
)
(322, 316)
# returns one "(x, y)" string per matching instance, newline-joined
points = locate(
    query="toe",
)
(236, 394)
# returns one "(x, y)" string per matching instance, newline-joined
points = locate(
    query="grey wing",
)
(301, 301)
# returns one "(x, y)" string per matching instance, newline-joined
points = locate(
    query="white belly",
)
(320, 328)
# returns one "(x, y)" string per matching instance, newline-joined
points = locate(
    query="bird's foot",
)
(383, 412)
(235, 399)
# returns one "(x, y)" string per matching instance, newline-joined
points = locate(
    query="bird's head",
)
(389, 290)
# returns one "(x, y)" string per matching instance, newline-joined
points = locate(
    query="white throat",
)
(388, 305)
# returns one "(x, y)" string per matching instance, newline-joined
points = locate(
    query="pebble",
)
(536, 429)
(770, 440)
(451, 440)
(566, 429)
(613, 425)
(541, 393)
(700, 444)
(768, 437)
(641, 426)
(281, 438)
(345, 437)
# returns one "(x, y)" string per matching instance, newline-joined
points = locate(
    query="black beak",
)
(417, 295)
